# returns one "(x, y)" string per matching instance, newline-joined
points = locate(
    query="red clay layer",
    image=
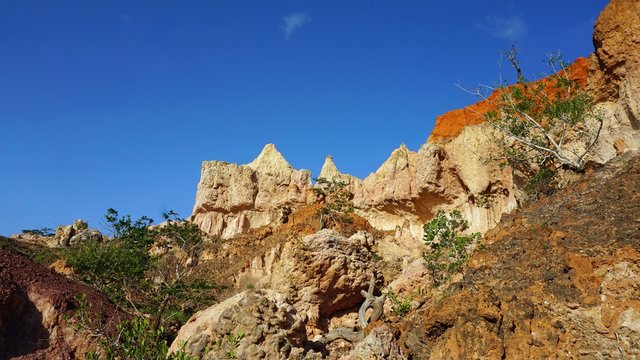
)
(451, 123)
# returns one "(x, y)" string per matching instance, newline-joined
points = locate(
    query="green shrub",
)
(542, 126)
(158, 288)
(110, 266)
(337, 201)
(399, 307)
(116, 264)
(134, 338)
(548, 123)
(448, 246)
(45, 231)
(132, 233)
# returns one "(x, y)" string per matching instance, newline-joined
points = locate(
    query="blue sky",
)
(116, 103)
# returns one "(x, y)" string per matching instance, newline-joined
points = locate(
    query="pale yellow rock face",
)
(232, 199)
(405, 192)
(330, 172)
(412, 186)
(321, 275)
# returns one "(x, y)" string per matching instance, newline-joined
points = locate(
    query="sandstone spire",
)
(235, 198)
(270, 159)
(329, 169)
(400, 159)
(330, 172)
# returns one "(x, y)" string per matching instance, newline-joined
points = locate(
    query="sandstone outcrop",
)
(255, 324)
(235, 198)
(330, 172)
(76, 233)
(64, 236)
(307, 288)
(616, 60)
(404, 192)
(412, 186)
(321, 275)
(614, 77)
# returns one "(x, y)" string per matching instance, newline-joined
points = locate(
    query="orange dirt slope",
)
(451, 123)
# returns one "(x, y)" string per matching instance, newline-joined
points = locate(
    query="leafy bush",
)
(132, 233)
(114, 265)
(448, 246)
(159, 289)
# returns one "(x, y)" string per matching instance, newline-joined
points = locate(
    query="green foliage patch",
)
(156, 286)
(336, 199)
(449, 247)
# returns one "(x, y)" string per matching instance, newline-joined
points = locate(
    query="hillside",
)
(560, 278)
(273, 265)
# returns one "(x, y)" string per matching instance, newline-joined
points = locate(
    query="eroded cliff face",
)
(411, 186)
(614, 76)
(452, 170)
(235, 198)
(404, 192)
(558, 279)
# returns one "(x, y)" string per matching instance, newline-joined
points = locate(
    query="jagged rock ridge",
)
(234, 198)
(407, 187)
(451, 170)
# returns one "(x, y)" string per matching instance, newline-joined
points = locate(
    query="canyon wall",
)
(405, 191)
(452, 170)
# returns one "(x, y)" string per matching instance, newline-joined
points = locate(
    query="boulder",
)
(86, 235)
(64, 234)
(255, 324)
(76, 233)
(321, 275)
(380, 343)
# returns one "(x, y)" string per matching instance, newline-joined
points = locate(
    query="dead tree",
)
(376, 303)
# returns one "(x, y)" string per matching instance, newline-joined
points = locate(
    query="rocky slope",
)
(556, 279)
(34, 305)
(559, 279)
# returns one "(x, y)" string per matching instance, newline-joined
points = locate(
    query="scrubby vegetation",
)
(45, 231)
(147, 271)
(448, 244)
(543, 126)
(336, 199)
(399, 306)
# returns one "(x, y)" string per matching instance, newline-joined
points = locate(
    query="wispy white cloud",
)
(510, 28)
(293, 22)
